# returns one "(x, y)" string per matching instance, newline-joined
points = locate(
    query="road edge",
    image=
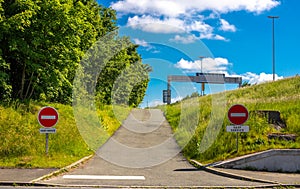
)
(230, 175)
(63, 170)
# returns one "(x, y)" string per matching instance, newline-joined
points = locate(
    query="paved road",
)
(142, 153)
(283, 178)
(22, 175)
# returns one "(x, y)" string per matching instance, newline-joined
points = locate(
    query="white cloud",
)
(156, 25)
(254, 78)
(175, 8)
(141, 42)
(146, 45)
(215, 65)
(184, 39)
(221, 38)
(225, 26)
(188, 65)
(213, 15)
(198, 26)
(154, 7)
(158, 102)
(178, 16)
(178, 98)
(155, 102)
(174, 25)
(167, 25)
(212, 36)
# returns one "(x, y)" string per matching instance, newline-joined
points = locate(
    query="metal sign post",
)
(237, 129)
(47, 117)
(47, 143)
(237, 142)
(237, 115)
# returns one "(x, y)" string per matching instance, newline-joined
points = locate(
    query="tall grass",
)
(22, 145)
(283, 96)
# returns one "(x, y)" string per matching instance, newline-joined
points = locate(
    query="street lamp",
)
(147, 102)
(201, 57)
(202, 84)
(273, 31)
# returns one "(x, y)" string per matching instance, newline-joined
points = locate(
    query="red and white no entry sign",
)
(238, 114)
(48, 116)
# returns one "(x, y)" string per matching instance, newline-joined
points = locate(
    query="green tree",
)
(120, 66)
(5, 87)
(112, 68)
(43, 41)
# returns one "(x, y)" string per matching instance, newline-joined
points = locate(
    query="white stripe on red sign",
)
(238, 114)
(48, 117)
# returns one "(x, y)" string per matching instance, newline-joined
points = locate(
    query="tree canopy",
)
(43, 42)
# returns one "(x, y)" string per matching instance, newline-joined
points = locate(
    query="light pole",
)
(273, 31)
(202, 84)
(201, 57)
(147, 102)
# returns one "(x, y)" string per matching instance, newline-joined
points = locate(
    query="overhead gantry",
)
(211, 78)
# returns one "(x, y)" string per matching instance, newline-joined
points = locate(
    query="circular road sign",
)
(238, 114)
(48, 116)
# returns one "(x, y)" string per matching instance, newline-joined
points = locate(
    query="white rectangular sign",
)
(237, 128)
(47, 130)
(48, 117)
(238, 115)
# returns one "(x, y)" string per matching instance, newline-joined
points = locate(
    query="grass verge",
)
(22, 145)
(283, 96)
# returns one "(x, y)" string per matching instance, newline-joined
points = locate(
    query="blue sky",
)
(234, 35)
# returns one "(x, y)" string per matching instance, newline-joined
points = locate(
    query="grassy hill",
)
(23, 146)
(282, 95)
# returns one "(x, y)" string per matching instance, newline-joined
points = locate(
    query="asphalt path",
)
(282, 178)
(22, 175)
(143, 153)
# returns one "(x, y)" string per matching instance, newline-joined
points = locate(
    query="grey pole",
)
(47, 143)
(237, 142)
(273, 41)
(201, 57)
(202, 84)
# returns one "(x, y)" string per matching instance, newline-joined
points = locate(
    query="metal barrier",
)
(213, 78)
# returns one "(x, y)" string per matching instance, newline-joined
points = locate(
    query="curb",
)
(62, 170)
(27, 184)
(231, 175)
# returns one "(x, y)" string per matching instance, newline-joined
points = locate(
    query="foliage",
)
(128, 77)
(246, 84)
(43, 41)
(5, 87)
(23, 146)
(282, 96)
(45, 45)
